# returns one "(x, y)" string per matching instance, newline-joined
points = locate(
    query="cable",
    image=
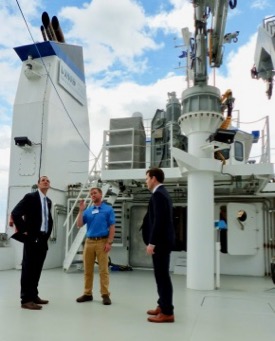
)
(85, 143)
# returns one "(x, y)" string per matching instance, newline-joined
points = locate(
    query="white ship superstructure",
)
(50, 102)
(207, 159)
(223, 196)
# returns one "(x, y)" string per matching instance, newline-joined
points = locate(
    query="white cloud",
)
(8, 88)
(5, 133)
(13, 32)
(28, 7)
(121, 34)
(171, 22)
(13, 29)
(110, 33)
(260, 4)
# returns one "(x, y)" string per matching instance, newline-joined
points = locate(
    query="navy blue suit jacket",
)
(158, 228)
(27, 215)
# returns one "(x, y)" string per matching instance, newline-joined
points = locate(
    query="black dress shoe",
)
(31, 306)
(38, 300)
(84, 298)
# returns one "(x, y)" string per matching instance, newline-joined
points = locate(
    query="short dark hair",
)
(97, 188)
(157, 172)
(42, 176)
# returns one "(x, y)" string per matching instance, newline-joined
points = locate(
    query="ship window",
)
(241, 218)
(239, 153)
(241, 215)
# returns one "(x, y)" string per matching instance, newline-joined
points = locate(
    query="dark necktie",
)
(45, 214)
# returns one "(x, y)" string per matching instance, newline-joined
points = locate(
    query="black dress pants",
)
(34, 255)
(161, 262)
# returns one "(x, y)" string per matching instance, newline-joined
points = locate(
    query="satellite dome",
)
(137, 114)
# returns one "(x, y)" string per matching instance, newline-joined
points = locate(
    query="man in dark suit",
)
(159, 236)
(33, 221)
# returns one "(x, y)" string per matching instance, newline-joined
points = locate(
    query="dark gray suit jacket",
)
(158, 228)
(27, 216)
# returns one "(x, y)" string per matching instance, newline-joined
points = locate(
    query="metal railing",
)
(70, 222)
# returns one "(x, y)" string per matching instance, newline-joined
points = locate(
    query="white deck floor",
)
(242, 310)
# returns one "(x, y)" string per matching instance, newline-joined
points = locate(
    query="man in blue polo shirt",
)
(100, 221)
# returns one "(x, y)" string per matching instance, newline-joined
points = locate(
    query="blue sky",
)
(130, 59)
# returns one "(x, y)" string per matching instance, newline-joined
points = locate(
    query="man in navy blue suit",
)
(33, 221)
(159, 236)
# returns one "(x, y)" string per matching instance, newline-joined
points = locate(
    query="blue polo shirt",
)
(98, 220)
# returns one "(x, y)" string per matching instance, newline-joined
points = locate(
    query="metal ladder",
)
(74, 240)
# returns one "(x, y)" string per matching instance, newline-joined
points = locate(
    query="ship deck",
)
(242, 309)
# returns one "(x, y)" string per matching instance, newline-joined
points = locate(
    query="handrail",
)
(87, 182)
(70, 213)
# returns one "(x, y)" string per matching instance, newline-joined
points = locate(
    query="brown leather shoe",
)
(161, 318)
(84, 298)
(154, 311)
(31, 306)
(39, 300)
(106, 300)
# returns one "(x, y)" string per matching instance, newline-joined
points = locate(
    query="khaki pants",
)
(94, 250)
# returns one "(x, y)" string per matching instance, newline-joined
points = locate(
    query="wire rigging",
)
(48, 75)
